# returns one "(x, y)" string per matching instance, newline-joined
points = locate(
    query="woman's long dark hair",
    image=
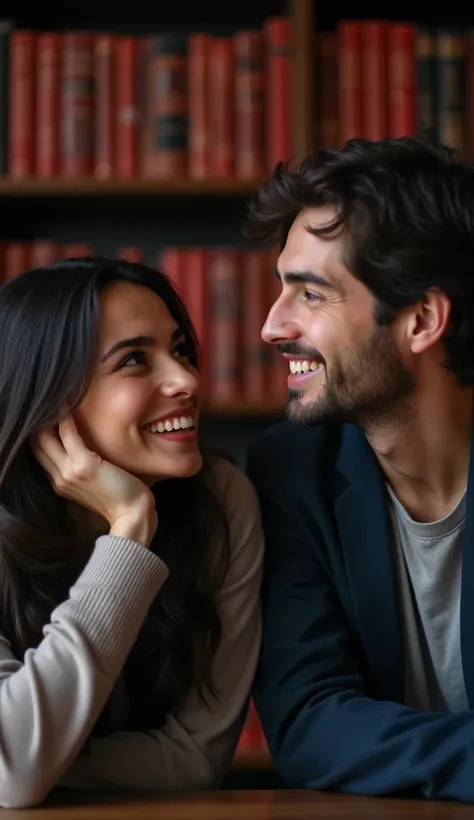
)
(49, 321)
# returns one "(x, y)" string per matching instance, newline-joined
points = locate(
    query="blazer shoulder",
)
(295, 449)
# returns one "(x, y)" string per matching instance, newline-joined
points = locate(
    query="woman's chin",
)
(187, 466)
(184, 466)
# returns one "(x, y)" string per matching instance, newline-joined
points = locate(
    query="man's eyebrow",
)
(138, 341)
(305, 277)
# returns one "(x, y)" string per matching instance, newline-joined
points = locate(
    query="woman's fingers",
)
(45, 462)
(64, 456)
(71, 440)
(48, 441)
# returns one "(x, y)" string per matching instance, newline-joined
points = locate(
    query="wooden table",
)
(238, 805)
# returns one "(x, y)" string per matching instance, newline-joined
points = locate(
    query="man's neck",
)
(426, 456)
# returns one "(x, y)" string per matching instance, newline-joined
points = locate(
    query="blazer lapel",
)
(362, 519)
(467, 589)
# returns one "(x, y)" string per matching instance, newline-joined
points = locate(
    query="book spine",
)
(249, 104)
(77, 105)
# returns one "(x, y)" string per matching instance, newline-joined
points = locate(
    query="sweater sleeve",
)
(50, 702)
(196, 745)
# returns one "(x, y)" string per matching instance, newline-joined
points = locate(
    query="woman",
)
(129, 568)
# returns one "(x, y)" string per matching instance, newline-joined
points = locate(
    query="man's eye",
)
(311, 297)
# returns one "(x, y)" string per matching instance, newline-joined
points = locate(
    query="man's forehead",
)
(304, 251)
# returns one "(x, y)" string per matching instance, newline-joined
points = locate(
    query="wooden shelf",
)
(244, 409)
(88, 186)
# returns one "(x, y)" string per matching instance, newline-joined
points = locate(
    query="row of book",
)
(379, 79)
(228, 292)
(78, 104)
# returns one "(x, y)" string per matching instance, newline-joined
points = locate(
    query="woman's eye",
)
(136, 357)
(181, 351)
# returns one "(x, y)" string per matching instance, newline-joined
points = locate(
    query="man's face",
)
(342, 364)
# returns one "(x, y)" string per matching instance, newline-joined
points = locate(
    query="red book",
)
(198, 109)
(252, 740)
(131, 254)
(255, 298)
(104, 106)
(171, 263)
(225, 346)
(77, 105)
(17, 259)
(401, 79)
(327, 135)
(127, 105)
(249, 104)
(47, 104)
(44, 252)
(77, 249)
(22, 93)
(278, 69)
(195, 294)
(374, 79)
(350, 81)
(221, 107)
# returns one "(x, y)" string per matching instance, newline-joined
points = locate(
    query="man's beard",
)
(368, 386)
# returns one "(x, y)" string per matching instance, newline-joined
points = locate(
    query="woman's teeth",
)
(168, 425)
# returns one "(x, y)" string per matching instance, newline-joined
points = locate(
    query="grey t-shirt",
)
(429, 561)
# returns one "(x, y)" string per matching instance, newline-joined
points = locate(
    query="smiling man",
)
(366, 678)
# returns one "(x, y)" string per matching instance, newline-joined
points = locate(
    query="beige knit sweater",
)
(50, 702)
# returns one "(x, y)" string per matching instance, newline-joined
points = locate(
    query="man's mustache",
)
(304, 354)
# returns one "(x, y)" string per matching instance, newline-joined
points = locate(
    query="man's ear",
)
(429, 320)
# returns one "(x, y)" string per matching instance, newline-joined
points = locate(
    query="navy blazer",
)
(330, 683)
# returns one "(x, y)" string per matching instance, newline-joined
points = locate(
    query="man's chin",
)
(305, 413)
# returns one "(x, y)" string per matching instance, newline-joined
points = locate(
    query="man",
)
(366, 679)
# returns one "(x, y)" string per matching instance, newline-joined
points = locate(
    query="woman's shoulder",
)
(236, 493)
(230, 483)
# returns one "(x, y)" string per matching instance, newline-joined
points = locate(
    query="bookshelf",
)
(38, 188)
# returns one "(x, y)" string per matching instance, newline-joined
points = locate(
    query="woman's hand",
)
(80, 475)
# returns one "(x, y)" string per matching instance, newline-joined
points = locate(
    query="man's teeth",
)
(176, 423)
(303, 367)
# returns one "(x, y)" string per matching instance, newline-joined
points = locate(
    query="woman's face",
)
(142, 407)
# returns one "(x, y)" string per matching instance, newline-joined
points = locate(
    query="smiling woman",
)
(130, 564)
(140, 346)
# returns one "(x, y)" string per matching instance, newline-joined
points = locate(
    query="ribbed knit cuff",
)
(111, 598)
